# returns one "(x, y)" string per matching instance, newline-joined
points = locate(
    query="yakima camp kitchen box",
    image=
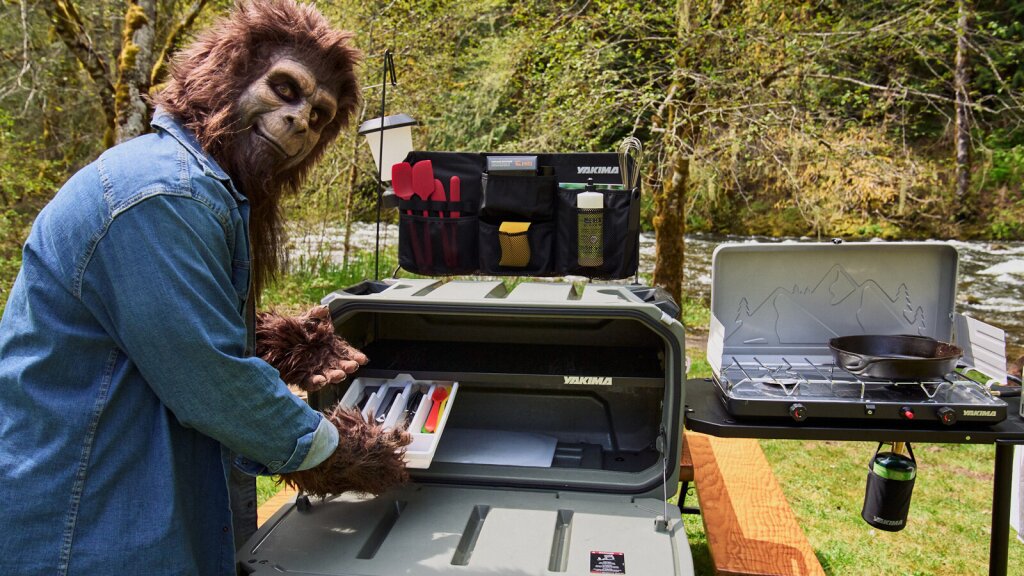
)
(559, 449)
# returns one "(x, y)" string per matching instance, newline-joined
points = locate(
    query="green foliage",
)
(1008, 223)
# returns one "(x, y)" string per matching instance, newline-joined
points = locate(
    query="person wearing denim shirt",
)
(124, 378)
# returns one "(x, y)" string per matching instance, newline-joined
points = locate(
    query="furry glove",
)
(368, 459)
(305, 349)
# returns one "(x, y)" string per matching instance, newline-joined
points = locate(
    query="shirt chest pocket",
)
(240, 278)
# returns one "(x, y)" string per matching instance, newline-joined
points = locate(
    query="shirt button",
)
(224, 529)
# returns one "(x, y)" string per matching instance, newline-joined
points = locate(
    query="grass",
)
(948, 529)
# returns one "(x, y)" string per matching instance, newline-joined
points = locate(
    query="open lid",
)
(790, 299)
(600, 367)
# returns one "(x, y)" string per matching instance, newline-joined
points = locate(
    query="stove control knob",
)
(946, 415)
(798, 412)
(907, 413)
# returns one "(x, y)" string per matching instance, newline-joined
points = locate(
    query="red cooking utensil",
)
(440, 393)
(423, 180)
(454, 194)
(423, 186)
(438, 195)
(401, 181)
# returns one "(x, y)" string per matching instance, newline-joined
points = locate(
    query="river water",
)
(990, 283)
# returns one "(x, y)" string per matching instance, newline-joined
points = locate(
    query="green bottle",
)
(590, 225)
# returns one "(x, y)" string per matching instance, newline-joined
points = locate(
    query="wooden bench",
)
(751, 529)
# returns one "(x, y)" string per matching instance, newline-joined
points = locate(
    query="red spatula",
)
(401, 181)
(423, 180)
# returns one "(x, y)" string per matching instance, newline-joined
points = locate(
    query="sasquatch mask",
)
(265, 90)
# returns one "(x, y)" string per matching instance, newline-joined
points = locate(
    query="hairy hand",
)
(368, 459)
(305, 349)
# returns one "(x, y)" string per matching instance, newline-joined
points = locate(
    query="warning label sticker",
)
(607, 562)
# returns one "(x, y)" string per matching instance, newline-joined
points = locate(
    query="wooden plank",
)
(750, 527)
(285, 496)
(685, 463)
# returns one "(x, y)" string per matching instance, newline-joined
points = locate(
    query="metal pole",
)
(1001, 485)
(380, 160)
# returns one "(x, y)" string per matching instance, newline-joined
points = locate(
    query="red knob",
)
(907, 413)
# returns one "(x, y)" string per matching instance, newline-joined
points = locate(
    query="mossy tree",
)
(141, 57)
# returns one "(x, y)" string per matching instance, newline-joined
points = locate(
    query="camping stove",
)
(802, 389)
(774, 308)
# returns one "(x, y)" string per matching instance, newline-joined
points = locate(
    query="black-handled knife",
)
(412, 406)
(385, 406)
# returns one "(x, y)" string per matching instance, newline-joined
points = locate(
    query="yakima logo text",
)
(597, 169)
(589, 380)
(979, 412)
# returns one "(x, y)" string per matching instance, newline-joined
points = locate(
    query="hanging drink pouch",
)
(890, 485)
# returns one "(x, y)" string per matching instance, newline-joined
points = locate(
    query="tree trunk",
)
(670, 198)
(962, 130)
(670, 226)
(134, 69)
(69, 27)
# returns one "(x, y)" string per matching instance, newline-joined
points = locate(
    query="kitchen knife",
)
(385, 406)
(454, 194)
(411, 407)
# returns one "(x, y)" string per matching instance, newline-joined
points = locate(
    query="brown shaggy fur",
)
(300, 347)
(208, 78)
(368, 459)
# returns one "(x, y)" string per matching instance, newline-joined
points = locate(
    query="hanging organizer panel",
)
(521, 219)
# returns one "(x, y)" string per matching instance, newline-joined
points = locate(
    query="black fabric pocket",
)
(620, 235)
(527, 253)
(435, 246)
(517, 198)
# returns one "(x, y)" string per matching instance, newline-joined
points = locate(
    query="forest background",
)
(896, 119)
(892, 119)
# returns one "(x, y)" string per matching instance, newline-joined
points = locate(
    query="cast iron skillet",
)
(895, 357)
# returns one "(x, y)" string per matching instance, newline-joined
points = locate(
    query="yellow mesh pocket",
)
(515, 249)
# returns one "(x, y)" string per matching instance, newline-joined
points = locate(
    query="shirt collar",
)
(172, 126)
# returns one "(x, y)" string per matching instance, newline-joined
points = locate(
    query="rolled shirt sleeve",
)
(162, 281)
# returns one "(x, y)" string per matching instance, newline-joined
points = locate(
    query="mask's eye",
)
(285, 91)
(314, 117)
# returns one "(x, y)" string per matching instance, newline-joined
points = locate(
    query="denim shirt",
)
(124, 378)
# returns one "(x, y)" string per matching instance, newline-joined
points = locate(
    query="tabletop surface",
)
(705, 413)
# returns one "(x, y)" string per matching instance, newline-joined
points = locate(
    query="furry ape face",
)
(284, 113)
(267, 56)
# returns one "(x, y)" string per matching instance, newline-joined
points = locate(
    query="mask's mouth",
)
(273, 143)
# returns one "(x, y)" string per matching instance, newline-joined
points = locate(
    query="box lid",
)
(789, 299)
(546, 354)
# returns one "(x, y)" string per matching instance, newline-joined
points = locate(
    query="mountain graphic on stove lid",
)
(802, 295)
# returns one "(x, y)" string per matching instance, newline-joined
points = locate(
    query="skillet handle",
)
(856, 364)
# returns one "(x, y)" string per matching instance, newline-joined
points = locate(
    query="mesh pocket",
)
(528, 253)
(515, 249)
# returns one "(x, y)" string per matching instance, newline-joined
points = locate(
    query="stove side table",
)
(705, 413)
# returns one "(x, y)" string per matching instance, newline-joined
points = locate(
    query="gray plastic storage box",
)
(555, 454)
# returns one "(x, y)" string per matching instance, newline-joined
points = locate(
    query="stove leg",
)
(1000, 543)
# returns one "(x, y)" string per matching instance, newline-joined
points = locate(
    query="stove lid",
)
(789, 299)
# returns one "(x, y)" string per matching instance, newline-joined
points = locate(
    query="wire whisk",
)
(630, 151)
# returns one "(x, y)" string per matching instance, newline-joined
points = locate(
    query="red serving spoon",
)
(440, 393)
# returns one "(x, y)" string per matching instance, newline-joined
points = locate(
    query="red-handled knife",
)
(454, 194)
